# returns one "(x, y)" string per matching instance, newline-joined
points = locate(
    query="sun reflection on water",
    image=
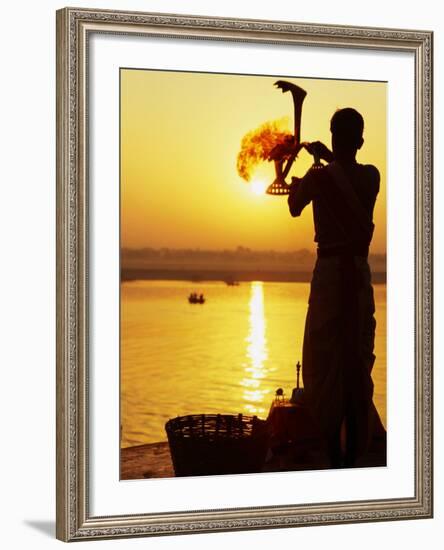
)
(257, 353)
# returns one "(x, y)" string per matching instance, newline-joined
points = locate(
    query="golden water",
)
(228, 355)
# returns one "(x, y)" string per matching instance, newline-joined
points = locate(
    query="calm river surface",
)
(227, 355)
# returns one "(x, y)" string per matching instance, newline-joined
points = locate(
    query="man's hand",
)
(319, 150)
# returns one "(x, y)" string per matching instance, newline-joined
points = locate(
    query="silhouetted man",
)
(340, 325)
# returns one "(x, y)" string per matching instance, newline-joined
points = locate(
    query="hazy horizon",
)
(240, 264)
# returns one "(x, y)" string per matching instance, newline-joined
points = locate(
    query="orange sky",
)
(180, 136)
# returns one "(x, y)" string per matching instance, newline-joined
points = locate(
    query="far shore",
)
(193, 275)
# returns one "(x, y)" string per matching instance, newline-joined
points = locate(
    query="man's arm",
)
(373, 179)
(303, 190)
(301, 194)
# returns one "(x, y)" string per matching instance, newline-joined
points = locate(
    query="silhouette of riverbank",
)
(240, 264)
(227, 276)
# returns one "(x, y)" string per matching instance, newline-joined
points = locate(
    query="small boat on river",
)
(195, 298)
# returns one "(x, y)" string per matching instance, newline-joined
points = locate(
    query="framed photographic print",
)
(244, 274)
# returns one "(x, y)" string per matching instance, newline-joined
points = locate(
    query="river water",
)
(228, 355)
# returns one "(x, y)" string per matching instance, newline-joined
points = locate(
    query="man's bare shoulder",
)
(371, 172)
(370, 178)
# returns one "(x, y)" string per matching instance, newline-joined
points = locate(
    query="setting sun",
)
(258, 187)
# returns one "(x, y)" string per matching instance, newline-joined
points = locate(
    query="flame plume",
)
(267, 142)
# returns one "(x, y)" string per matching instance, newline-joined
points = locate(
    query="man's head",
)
(346, 126)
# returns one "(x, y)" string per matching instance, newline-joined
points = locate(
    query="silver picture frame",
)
(74, 520)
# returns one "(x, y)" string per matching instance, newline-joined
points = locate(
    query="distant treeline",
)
(240, 263)
(241, 253)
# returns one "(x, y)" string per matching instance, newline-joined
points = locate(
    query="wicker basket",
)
(212, 444)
